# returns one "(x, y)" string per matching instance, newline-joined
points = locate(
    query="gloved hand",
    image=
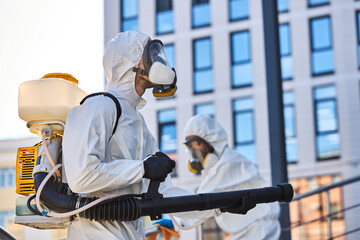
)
(247, 203)
(165, 222)
(158, 166)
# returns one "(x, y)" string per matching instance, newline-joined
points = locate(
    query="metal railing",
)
(329, 214)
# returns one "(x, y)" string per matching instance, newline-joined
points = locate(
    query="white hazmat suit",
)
(231, 171)
(98, 164)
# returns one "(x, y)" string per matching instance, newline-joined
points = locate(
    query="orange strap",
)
(166, 232)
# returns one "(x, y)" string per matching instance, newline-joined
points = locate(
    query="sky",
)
(43, 36)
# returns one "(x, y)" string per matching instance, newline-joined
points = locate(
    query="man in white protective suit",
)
(224, 169)
(98, 163)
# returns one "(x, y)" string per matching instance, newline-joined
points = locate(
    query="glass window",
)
(203, 74)
(312, 3)
(7, 177)
(170, 54)
(241, 67)
(326, 122)
(321, 46)
(244, 127)
(238, 9)
(358, 35)
(200, 13)
(5, 218)
(282, 5)
(290, 128)
(164, 17)
(129, 15)
(205, 108)
(167, 134)
(285, 52)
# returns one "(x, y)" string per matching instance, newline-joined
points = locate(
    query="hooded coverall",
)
(232, 172)
(98, 164)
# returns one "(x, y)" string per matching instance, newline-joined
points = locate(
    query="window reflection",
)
(203, 74)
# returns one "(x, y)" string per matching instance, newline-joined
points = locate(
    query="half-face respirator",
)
(157, 68)
(197, 157)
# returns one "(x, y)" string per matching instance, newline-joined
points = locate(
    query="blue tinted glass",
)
(323, 62)
(166, 116)
(284, 33)
(317, 2)
(248, 151)
(129, 25)
(321, 33)
(240, 47)
(244, 127)
(164, 22)
(129, 8)
(359, 55)
(326, 116)
(243, 104)
(11, 177)
(325, 92)
(239, 9)
(289, 121)
(291, 149)
(286, 67)
(358, 25)
(201, 15)
(168, 138)
(170, 54)
(2, 179)
(203, 81)
(206, 108)
(328, 145)
(288, 98)
(203, 57)
(283, 5)
(241, 74)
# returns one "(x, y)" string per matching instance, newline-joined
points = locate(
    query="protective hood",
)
(121, 55)
(208, 129)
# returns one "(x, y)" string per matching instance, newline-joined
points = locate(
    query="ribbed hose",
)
(54, 197)
(117, 210)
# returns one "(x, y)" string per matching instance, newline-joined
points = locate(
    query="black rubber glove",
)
(158, 166)
(247, 203)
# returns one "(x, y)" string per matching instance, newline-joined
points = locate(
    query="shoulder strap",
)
(116, 101)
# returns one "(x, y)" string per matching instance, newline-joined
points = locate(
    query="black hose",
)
(35, 211)
(128, 207)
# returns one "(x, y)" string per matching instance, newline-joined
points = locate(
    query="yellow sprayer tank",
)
(48, 99)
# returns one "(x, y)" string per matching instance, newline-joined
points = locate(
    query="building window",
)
(285, 52)
(170, 54)
(290, 127)
(326, 123)
(205, 108)
(6, 217)
(164, 17)
(7, 177)
(283, 6)
(241, 68)
(129, 15)
(244, 127)
(200, 13)
(321, 46)
(203, 74)
(238, 9)
(167, 134)
(358, 35)
(313, 3)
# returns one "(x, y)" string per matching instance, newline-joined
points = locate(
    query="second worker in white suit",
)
(224, 169)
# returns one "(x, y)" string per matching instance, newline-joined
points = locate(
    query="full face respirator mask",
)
(157, 68)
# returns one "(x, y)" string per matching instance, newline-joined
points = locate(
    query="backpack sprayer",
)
(37, 171)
